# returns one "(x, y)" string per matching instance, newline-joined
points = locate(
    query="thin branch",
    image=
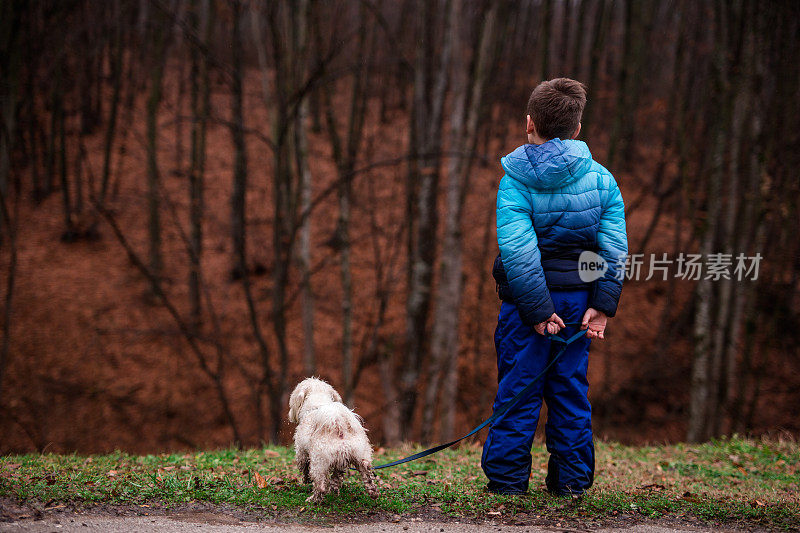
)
(12, 224)
(155, 282)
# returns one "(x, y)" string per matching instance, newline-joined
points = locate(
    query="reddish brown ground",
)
(95, 365)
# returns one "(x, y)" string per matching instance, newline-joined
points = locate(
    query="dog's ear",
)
(295, 402)
(335, 396)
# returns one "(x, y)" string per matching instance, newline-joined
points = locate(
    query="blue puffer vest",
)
(555, 202)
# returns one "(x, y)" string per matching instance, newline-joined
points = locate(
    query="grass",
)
(730, 480)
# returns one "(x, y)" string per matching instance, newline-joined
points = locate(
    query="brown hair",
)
(556, 106)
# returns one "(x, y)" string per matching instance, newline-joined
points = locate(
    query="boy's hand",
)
(594, 322)
(552, 325)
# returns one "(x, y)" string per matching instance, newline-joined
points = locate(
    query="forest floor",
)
(94, 358)
(731, 483)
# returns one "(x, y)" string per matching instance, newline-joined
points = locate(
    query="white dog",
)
(329, 439)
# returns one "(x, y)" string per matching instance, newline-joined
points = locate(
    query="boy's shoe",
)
(567, 494)
(504, 492)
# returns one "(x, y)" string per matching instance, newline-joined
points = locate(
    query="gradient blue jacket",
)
(554, 202)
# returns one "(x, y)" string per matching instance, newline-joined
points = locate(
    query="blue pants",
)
(521, 355)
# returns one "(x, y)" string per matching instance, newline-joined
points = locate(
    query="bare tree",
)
(722, 118)
(10, 66)
(117, 53)
(9, 78)
(10, 220)
(638, 20)
(467, 90)
(578, 46)
(213, 371)
(306, 182)
(713, 307)
(199, 90)
(158, 33)
(543, 41)
(345, 149)
(425, 141)
(288, 26)
(238, 202)
(602, 20)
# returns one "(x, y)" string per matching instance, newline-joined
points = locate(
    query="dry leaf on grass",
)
(261, 482)
(55, 507)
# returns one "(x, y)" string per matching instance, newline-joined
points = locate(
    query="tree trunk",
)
(9, 81)
(307, 106)
(740, 377)
(288, 26)
(564, 49)
(577, 52)
(117, 54)
(238, 196)
(307, 293)
(467, 90)
(430, 83)
(345, 153)
(728, 304)
(544, 38)
(63, 167)
(702, 402)
(602, 18)
(621, 113)
(199, 96)
(10, 223)
(153, 176)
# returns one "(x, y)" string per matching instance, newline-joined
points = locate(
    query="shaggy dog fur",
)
(329, 439)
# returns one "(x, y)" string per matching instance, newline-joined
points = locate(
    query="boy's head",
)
(554, 110)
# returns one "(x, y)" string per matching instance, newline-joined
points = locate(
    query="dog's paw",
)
(315, 498)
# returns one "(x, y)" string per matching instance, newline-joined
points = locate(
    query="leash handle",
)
(503, 409)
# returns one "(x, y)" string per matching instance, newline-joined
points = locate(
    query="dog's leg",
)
(319, 478)
(368, 478)
(337, 476)
(303, 463)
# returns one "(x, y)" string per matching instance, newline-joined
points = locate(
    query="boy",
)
(554, 203)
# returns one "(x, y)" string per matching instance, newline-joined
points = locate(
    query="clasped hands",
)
(594, 322)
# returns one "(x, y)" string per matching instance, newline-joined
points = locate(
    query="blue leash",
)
(504, 409)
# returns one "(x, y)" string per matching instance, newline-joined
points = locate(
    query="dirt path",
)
(222, 523)
(194, 516)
